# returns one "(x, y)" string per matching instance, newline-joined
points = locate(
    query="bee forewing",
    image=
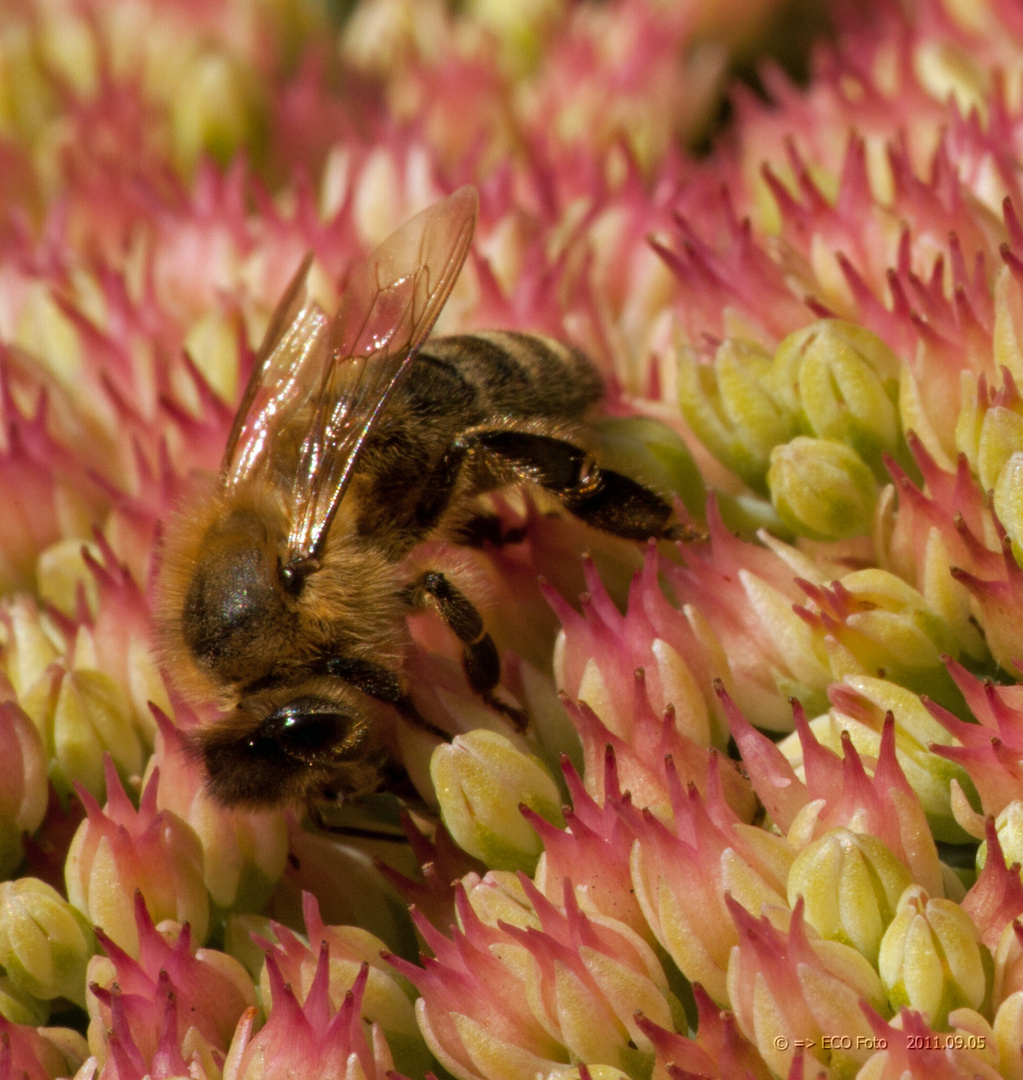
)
(393, 299)
(386, 312)
(334, 375)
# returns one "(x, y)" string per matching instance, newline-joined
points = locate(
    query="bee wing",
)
(293, 347)
(319, 385)
(386, 312)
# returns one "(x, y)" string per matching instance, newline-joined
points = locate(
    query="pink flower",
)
(785, 987)
(838, 791)
(38, 1053)
(39, 478)
(508, 999)
(601, 650)
(688, 873)
(996, 898)
(244, 852)
(204, 991)
(591, 854)
(353, 957)
(989, 750)
(909, 1050)
(643, 760)
(473, 1012)
(441, 864)
(350, 885)
(118, 851)
(311, 1039)
(718, 1050)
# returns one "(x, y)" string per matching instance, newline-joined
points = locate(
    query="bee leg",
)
(473, 531)
(371, 815)
(317, 810)
(603, 498)
(480, 658)
(382, 684)
(483, 528)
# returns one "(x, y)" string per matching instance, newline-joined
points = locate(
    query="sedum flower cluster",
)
(766, 819)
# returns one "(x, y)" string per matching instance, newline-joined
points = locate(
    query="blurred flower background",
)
(767, 819)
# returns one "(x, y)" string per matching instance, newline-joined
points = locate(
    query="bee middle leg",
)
(486, 529)
(480, 657)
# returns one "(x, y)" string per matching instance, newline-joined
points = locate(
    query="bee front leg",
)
(480, 658)
(379, 683)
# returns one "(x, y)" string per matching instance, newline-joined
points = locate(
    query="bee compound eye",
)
(306, 727)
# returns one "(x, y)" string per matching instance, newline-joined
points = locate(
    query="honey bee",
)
(286, 585)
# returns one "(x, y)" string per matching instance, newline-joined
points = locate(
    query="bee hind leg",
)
(603, 498)
(480, 657)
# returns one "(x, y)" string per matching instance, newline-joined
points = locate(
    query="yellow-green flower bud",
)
(822, 489)
(931, 958)
(597, 1072)
(29, 646)
(212, 342)
(238, 931)
(1009, 825)
(894, 629)
(930, 775)
(47, 333)
(830, 339)
(84, 714)
(481, 779)
(732, 410)
(1001, 436)
(23, 788)
(213, 110)
(948, 72)
(843, 381)
(1008, 1032)
(520, 30)
(20, 1007)
(91, 716)
(1008, 502)
(68, 42)
(45, 943)
(500, 898)
(29, 97)
(61, 572)
(646, 449)
(850, 884)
